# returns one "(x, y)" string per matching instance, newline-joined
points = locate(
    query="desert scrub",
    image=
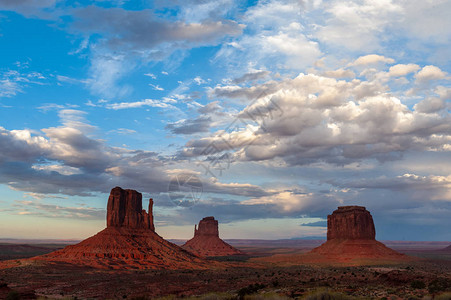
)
(417, 284)
(439, 285)
(445, 296)
(250, 289)
(13, 295)
(266, 296)
(328, 295)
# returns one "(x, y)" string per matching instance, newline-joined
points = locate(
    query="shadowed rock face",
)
(207, 226)
(351, 223)
(125, 210)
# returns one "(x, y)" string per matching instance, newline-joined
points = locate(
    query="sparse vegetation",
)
(418, 284)
(13, 295)
(249, 290)
(327, 295)
(439, 285)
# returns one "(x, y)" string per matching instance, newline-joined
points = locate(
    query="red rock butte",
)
(206, 241)
(350, 241)
(351, 235)
(128, 242)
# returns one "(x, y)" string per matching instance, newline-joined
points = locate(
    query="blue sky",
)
(283, 110)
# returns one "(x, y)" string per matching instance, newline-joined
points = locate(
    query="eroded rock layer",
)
(125, 210)
(351, 235)
(350, 222)
(128, 242)
(206, 241)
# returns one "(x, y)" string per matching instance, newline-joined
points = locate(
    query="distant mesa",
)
(350, 240)
(350, 222)
(128, 242)
(351, 235)
(206, 241)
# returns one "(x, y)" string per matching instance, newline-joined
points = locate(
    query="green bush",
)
(325, 295)
(13, 295)
(439, 285)
(418, 284)
(251, 289)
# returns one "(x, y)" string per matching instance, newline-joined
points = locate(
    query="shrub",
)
(417, 284)
(325, 295)
(439, 285)
(13, 295)
(250, 289)
(445, 296)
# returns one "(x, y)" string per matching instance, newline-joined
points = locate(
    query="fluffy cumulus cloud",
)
(314, 118)
(274, 33)
(67, 160)
(314, 104)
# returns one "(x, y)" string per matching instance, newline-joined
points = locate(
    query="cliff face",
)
(129, 241)
(124, 209)
(351, 236)
(350, 222)
(206, 241)
(208, 226)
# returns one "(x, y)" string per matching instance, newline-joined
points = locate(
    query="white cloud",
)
(275, 39)
(198, 80)
(340, 73)
(156, 87)
(357, 25)
(333, 121)
(146, 102)
(372, 59)
(13, 82)
(151, 75)
(429, 73)
(402, 70)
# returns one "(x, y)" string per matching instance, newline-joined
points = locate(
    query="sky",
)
(267, 115)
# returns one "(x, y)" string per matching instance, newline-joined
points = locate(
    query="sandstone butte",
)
(351, 240)
(128, 242)
(206, 241)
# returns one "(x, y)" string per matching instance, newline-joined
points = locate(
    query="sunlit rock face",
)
(350, 222)
(206, 241)
(128, 242)
(207, 226)
(351, 236)
(124, 209)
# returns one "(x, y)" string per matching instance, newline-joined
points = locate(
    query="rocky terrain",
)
(206, 241)
(128, 242)
(129, 259)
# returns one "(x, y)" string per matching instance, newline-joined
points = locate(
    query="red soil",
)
(125, 248)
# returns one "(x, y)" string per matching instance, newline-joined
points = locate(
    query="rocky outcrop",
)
(208, 226)
(351, 236)
(350, 222)
(206, 241)
(125, 210)
(128, 242)
(350, 241)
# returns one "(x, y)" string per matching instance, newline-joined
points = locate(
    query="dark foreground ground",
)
(427, 278)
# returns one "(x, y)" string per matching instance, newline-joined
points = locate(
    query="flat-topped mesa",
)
(208, 226)
(351, 223)
(125, 210)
